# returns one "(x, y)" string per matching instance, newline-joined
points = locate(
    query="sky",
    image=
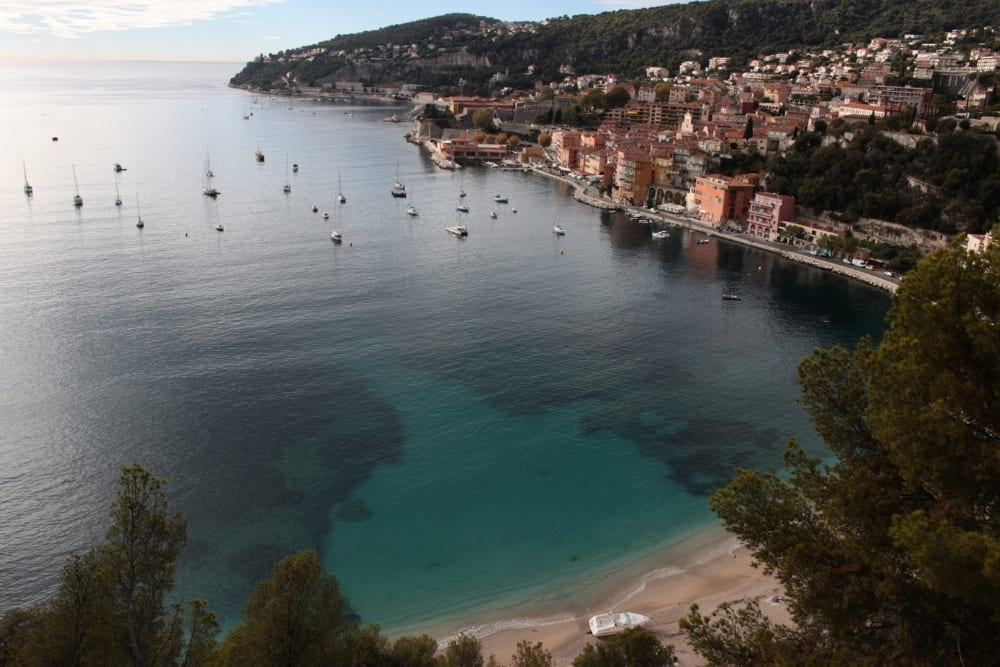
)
(232, 30)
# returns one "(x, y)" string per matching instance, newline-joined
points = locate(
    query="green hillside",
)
(438, 51)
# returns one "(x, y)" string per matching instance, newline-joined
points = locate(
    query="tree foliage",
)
(867, 174)
(889, 553)
(110, 607)
(635, 647)
(295, 618)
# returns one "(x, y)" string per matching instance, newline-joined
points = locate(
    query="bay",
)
(461, 427)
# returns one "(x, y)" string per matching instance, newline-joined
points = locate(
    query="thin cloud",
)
(69, 19)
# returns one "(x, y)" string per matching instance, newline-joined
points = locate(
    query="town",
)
(662, 143)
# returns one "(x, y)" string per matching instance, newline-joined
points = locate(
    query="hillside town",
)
(662, 148)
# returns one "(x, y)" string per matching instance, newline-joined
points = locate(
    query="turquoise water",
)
(461, 427)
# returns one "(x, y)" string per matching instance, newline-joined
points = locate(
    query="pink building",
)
(766, 213)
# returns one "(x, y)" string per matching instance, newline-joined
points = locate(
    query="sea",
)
(481, 431)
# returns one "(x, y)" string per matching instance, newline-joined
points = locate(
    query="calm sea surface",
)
(458, 426)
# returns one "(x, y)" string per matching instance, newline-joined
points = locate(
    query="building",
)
(718, 198)
(633, 175)
(767, 212)
(978, 242)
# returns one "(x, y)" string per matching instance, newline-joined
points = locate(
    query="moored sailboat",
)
(28, 190)
(209, 189)
(77, 199)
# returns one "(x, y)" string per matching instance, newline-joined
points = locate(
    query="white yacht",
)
(661, 234)
(412, 210)
(558, 231)
(614, 622)
(458, 230)
(335, 236)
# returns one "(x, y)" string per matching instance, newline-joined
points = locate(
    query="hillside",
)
(438, 52)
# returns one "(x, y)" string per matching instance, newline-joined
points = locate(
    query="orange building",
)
(719, 198)
(633, 175)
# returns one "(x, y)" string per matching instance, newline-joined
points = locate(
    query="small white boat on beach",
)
(458, 230)
(613, 622)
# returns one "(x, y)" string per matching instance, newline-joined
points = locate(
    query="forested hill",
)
(438, 51)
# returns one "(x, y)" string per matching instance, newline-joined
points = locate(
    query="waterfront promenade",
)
(589, 195)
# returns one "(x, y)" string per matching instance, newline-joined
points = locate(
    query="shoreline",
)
(581, 192)
(707, 568)
(873, 279)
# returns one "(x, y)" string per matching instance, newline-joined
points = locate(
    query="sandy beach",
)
(709, 569)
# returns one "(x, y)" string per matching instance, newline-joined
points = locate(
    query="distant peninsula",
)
(476, 55)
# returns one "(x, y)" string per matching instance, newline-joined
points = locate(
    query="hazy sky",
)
(231, 30)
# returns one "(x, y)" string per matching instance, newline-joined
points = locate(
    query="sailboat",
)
(287, 188)
(398, 189)
(340, 192)
(258, 155)
(138, 223)
(209, 189)
(77, 199)
(118, 197)
(28, 190)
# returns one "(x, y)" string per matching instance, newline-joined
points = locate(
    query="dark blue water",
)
(462, 427)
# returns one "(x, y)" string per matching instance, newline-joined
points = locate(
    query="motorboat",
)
(661, 234)
(493, 214)
(462, 208)
(412, 210)
(613, 622)
(558, 231)
(458, 230)
(703, 241)
(499, 199)
(730, 296)
(398, 189)
(335, 236)
(218, 227)
(326, 216)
